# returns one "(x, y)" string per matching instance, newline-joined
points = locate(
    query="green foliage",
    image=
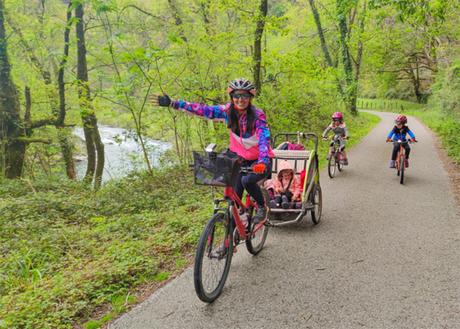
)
(446, 91)
(66, 251)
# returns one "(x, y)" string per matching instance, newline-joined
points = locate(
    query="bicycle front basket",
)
(220, 170)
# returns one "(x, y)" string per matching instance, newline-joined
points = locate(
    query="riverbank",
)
(123, 152)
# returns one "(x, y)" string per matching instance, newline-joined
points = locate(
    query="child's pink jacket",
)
(275, 183)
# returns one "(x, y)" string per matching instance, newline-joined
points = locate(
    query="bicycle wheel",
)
(213, 258)
(331, 165)
(257, 236)
(316, 199)
(401, 169)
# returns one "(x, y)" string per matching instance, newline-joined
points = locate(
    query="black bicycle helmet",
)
(241, 84)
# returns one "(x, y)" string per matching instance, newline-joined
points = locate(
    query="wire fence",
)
(391, 105)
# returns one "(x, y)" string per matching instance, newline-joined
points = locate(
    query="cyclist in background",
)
(340, 130)
(399, 132)
(249, 135)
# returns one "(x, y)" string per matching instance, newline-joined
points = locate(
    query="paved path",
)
(384, 256)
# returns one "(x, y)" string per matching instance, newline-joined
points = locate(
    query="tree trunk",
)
(204, 10)
(64, 134)
(359, 55)
(324, 47)
(58, 111)
(94, 146)
(351, 85)
(258, 43)
(177, 19)
(11, 126)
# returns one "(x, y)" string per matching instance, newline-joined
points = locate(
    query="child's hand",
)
(413, 140)
(388, 140)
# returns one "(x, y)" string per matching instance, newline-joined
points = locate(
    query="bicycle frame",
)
(401, 154)
(336, 147)
(234, 207)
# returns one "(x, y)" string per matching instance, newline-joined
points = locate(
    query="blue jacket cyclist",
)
(399, 132)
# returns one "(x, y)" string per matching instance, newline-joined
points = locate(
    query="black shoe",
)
(273, 204)
(260, 215)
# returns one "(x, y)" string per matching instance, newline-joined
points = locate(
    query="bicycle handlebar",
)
(246, 169)
(401, 142)
(298, 135)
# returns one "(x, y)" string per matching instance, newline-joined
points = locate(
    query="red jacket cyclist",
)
(249, 134)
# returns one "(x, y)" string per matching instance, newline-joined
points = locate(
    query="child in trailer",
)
(340, 130)
(399, 132)
(285, 189)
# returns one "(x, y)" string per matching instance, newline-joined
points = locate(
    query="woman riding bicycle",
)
(249, 135)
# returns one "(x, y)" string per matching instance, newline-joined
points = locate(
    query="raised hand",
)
(160, 100)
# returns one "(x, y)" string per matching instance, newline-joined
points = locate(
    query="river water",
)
(123, 152)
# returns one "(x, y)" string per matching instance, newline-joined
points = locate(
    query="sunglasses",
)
(243, 96)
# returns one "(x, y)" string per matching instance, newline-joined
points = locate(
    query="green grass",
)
(445, 126)
(66, 252)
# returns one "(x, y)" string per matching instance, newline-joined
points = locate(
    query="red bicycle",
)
(230, 225)
(335, 156)
(400, 162)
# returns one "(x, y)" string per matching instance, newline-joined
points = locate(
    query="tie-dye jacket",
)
(250, 145)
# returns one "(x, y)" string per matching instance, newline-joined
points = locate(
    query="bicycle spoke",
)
(214, 264)
(213, 258)
(256, 240)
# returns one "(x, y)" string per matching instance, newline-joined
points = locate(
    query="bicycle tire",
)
(338, 161)
(331, 164)
(219, 223)
(401, 169)
(252, 245)
(316, 198)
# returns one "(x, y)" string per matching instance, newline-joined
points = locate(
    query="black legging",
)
(396, 150)
(248, 182)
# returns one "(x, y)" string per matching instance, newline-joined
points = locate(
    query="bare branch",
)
(142, 11)
(42, 122)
